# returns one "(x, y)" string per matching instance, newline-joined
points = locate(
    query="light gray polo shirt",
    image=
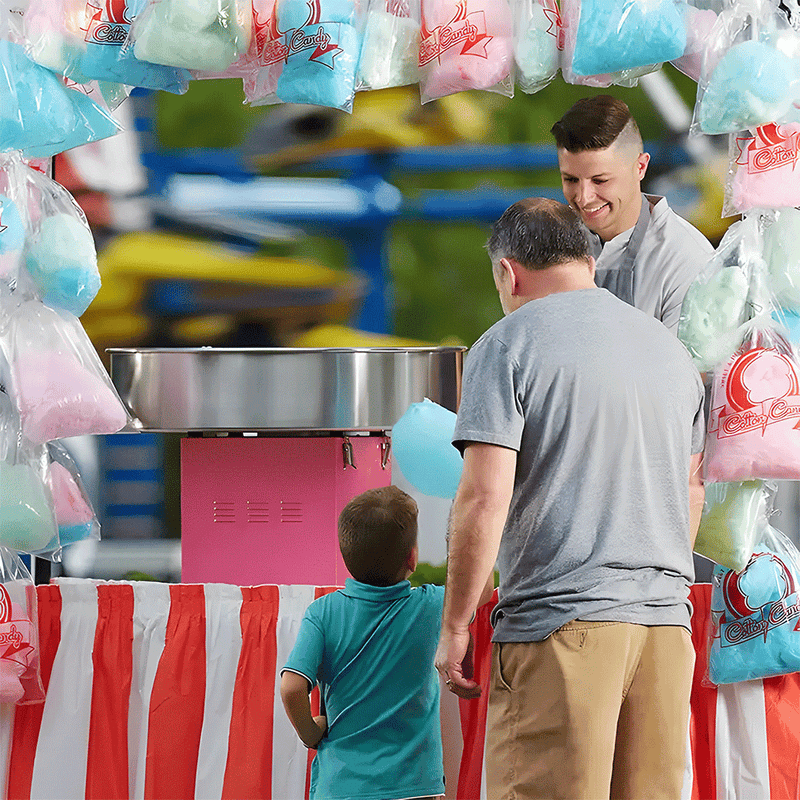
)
(605, 409)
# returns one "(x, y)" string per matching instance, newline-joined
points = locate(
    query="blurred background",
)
(220, 224)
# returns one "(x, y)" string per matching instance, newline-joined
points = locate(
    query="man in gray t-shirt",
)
(581, 424)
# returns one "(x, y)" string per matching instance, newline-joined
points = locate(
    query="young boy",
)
(371, 647)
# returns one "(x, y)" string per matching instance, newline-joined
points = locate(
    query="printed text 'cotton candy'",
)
(766, 168)
(754, 617)
(475, 52)
(754, 420)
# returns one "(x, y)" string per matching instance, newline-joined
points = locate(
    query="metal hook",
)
(386, 449)
(347, 454)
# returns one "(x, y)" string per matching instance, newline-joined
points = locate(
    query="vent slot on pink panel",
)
(291, 511)
(257, 511)
(224, 511)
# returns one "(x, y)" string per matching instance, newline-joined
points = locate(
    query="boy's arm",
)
(294, 694)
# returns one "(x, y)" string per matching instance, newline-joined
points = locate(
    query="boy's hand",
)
(322, 724)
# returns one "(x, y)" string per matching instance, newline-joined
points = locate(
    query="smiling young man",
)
(646, 254)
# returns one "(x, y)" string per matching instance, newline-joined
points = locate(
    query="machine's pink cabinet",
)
(257, 510)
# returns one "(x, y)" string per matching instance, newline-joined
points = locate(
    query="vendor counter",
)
(170, 691)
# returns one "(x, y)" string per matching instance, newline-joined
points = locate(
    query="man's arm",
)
(697, 494)
(294, 694)
(479, 514)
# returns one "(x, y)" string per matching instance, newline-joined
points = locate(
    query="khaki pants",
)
(597, 710)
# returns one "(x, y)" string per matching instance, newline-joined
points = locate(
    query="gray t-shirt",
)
(605, 409)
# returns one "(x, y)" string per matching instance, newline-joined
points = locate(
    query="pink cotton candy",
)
(755, 415)
(699, 23)
(70, 505)
(467, 45)
(58, 397)
(767, 174)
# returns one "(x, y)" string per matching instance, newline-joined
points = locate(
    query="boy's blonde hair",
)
(377, 531)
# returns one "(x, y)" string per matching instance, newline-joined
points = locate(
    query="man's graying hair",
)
(538, 233)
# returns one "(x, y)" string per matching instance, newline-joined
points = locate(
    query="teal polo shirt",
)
(371, 649)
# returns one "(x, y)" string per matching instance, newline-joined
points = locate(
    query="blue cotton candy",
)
(38, 114)
(614, 35)
(63, 263)
(69, 534)
(753, 84)
(295, 13)
(759, 613)
(303, 80)
(12, 230)
(109, 63)
(422, 448)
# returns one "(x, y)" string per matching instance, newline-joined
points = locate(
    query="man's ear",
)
(642, 160)
(592, 265)
(510, 274)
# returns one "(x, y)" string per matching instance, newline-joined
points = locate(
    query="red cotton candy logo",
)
(773, 146)
(467, 29)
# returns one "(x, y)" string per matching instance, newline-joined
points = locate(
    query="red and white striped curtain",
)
(170, 691)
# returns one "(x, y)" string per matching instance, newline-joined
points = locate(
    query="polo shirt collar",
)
(365, 591)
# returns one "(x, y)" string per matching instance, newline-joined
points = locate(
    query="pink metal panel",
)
(264, 510)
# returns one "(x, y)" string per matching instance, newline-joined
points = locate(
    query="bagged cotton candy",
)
(699, 25)
(39, 115)
(733, 516)
(323, 46)
(754, 614)
(266, 56)
(20, 675)
(12, 238)
(764, 172)
(719, 301)
(751, 71)
(477, 51)
(390, 48)
(422, 448)
(74, 514)
(782, 254)
(58, 382)
(570, 17)
(753, 429)
(54, 30)
(27, 523)
(539, 38)
(206, 35)
(615, 35)
(108, 59)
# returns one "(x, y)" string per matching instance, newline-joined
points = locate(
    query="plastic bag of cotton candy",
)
(615, 35)
(74, 513)
(390, 47)
(58, 384)
(538, 39)
(54, 37)
(751, 70)
(110, 56)
(322, 42)
(763, 170)
(39, 115)
(466, 45)
(754, 632)
(203, 35)
(20, 673)
(753, 431)
(733, 516)
(700, 17)
(27, 515)
(57, 248)
(781, 234)
(570, 21)
(730, 291)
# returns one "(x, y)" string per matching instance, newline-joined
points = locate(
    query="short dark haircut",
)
(377, 531)
(538, 233)
(594, 123)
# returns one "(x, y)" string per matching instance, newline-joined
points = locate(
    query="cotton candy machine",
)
(277, 441)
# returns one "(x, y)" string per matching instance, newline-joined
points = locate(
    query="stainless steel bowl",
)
(304, 390)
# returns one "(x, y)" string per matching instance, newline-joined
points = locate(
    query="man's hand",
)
(454, 663)
(322, 724)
